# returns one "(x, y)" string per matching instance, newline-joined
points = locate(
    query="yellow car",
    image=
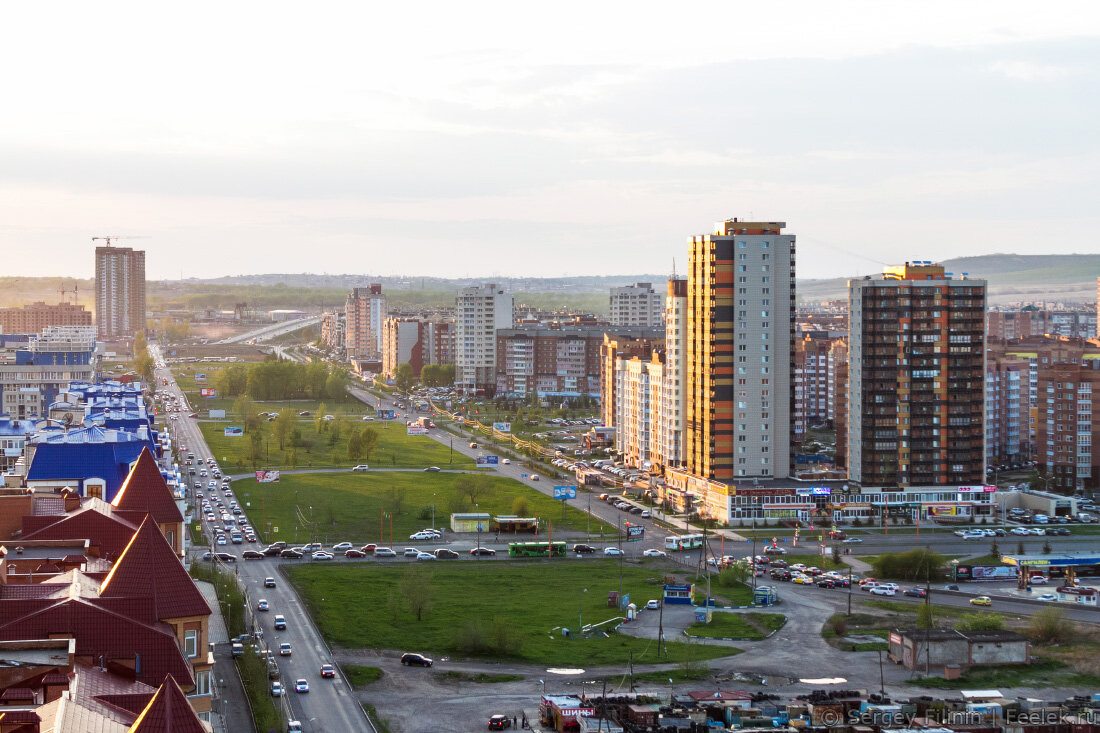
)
(981, 601)
(803, 580)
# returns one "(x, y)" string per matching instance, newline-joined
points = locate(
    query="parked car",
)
(654, 553)
(368, 549)
(354, 553)
(500, 722)
(341, 546)
(291, 553)
(653, 604)
(276, 689)
(252, 555)
(412, 659)
(321, 555)
(411, 551)
(444, 554)
(424, 556)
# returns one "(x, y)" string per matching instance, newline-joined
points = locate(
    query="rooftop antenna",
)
(673, 268)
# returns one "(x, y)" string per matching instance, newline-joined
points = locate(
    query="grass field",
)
(1048, 674)
(395, 449)
(346, 505)
(359, 676)
(499, 610)
(749, 626)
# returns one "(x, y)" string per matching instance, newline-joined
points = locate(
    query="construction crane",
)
(108, 239)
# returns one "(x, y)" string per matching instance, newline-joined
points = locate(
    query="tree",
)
(918, 564)
(368, 439)
(519, 506)
(925, 618)
(473, 486)
(319, 419)
(404, 377)
(734, 574)
(1046, 547)
(995, 550)
(283, 426)
(247, 411)
(416, 588)
(981, 621)
(144, 366)
(140, 344)
(836, 554)
(336, 387)
(1049, 626)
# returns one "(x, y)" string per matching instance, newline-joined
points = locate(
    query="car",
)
(384, 552)
(506, 461)
(851, 540)
(584, 549)
(775, 550)
(226, 557)
(328, 671)
(361, 467)
(303, 413)
(1038, 580)
(826, 583)
(444, 554)
(612, 551)
(952, 586)
(534, 477)
(280, 622)
(301, 685)
(424, 536)
(368, 548)
(654, 553)
(412, 659)
(269, 582)
(915, 592)
(802, 580)
(262, 605)
(425, 556)
(291, 553)
(485, 551)
(276, 689)
(981, 601)
(322, 555)
(653, 604)
(411, 551)
(252, 555)
(285, 649)
(354, 553)
(341, 546)
(221, 541)
(1061, 531)
(1020, 531)
(500, 722)
(1047, 597)
(433, 469)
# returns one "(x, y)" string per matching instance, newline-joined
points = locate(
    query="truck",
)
(425, 422)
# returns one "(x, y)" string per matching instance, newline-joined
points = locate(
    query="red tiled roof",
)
(17, 693)
(19, 716)
(132, 703)
(145, 492)
(47, 568)
(55, 678)
(107, 532)
(168, 712)
(149, 568)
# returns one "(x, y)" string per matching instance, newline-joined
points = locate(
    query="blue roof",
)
(15, 427)
(85, 453)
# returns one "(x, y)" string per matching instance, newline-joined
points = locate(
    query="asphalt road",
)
(329, 705)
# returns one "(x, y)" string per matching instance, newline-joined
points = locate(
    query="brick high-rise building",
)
(119, 292)
(36, 317)
(1007, 408)
(838, 394)
(1068, 424)
(364, 313)
(812, 383)
(740, 338)
(403, 343)
(916, 378)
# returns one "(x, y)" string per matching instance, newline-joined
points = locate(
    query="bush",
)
(1050, 626)
(925, 618)
(838, 624)
(919, 564)
(981, 621)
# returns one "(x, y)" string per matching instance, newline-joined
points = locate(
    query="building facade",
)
(402, 343)
(480, 311)
(1008, 413)
(439, 341)
(334, 327)
(119, 292)
(1068, 423)
(813, 383)
(916, 378)
(34, 369)
(637, 305)
(614, 350)
(36, 317)
(1030, 320)
(740, 334)
(672, 410)
(838, 399)
(364, 313)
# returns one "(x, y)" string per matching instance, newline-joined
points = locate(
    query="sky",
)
(504, 138)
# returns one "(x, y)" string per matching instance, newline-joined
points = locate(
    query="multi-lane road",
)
(330, 704)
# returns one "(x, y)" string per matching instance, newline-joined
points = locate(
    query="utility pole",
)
(849, 590)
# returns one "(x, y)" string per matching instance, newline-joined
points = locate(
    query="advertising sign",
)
(234, 432)
(820, 490)
(502, 427)
(200, 377)
(386, 414)
(895, 638)
(488, 460)
(267, 477)
(208, 392)
(634, 532)
(942, 510)
(217, 414)
(565, 492)
(992, 572)
(414, 429)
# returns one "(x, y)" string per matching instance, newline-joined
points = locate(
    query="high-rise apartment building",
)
(1031, 320)
(364, 313)
(637, 305)
(439, 344)
(916, 378)
(1068, 423)
(402, 343)
(672, 408)
(838, 396)
(479, 312)
(35, 317)
(1007, 408)
(615, 350)
(812, 383)
(119, 292)
(334, 329)
(740, 334)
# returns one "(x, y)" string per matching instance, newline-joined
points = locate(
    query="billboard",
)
(267, 477)
(565, 492)
(943, 510)
(488, 460)
(208, 392)
(634, 532)
(414, 429)
(200, 377)
(985, 572)
(234, 432)
(502, 427)
(214, 414)
(386, 414)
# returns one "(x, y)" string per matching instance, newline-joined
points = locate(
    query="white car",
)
(411, 552)
(1038, 580)
(425, 556)
(1047, 597)
(424, 536)
(1020, 531)
(615, 551)
(883, 590)
(653, 605)
(361, 467)
(534, 477)
(506, 461)
(319, 555)
(654, 553)
(341, 546)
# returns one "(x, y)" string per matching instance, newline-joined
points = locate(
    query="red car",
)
(368, 548)
(354, 553)
(327, 670)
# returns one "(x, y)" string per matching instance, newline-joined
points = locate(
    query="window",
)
(190, 643)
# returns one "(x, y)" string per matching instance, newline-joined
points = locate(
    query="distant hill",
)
(1055, 278)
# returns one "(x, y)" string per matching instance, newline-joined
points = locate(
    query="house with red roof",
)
(145, 492)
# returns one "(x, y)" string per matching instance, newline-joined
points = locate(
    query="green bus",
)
(537, 549)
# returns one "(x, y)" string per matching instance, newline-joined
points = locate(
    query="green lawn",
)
(751, 626)
(346, 505)
(1040, 674)
(825, 563)
(359, 676)
(396, 449)
(510, 610)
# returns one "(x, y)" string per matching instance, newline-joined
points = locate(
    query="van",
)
(238, 649)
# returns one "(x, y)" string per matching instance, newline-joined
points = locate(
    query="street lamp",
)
(580, 611)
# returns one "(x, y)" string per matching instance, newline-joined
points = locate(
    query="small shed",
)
(598, 725)
(470, 521)
(514, 524)
(679, 594)
(939, 648)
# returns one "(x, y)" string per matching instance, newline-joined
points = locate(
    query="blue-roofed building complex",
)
(35, 368)
(93, 461)
(13, 439)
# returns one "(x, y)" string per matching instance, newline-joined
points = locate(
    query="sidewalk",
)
(230, 706)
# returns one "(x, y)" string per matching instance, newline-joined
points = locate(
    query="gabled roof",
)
(94, 520)
(149, 568)
(145, 492)
(168, 712)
